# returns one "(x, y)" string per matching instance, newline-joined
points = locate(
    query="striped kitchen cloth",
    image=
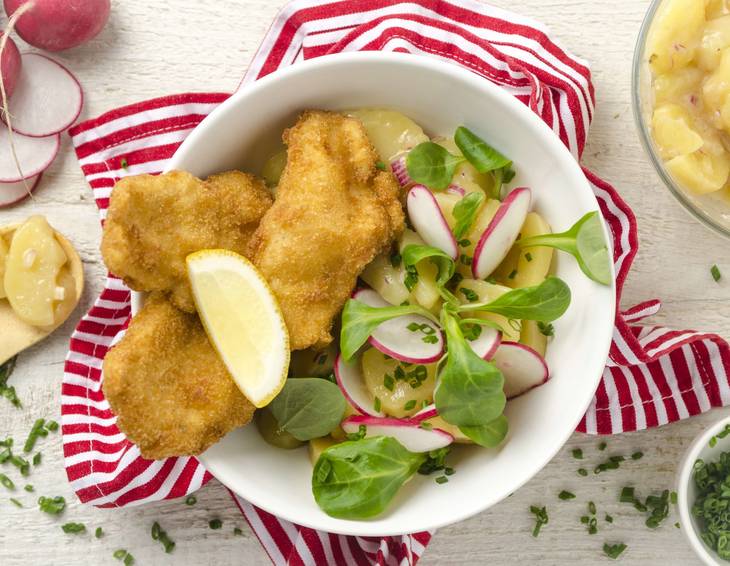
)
(653, 375)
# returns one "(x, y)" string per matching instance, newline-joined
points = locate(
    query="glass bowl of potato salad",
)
(682, 103)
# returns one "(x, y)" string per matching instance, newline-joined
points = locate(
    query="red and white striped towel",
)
(653, 376)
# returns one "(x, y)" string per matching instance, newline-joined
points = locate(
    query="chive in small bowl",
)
(707, 447)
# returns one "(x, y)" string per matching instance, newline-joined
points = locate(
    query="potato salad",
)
(442, 330)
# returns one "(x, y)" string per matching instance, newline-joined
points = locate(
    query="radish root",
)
(4, 110)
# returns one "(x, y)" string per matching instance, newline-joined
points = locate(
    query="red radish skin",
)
(523, 368)
(12, 193)
(426, 413)
(429, 221)
(398, 166)
(456, 190)
(48, 97)
(487, 344)
(35, 155)
(352, 384)
(10, 65)
(55, 25)
(501, 233)
(406, 431)
(394, 339)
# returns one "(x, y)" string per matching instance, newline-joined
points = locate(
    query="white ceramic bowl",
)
(246, 129)
(687, 491)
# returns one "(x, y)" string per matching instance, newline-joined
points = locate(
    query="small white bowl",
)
(700, 449)
(247, 128)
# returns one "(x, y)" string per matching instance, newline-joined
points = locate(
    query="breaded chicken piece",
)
(154, 222)
(167, 385)
(334, 212)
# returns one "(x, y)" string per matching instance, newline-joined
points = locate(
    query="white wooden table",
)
(159, 47)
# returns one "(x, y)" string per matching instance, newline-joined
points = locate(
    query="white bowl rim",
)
(684, 477)
(545, 135)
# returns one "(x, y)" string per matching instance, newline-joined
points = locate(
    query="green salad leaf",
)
(470, 390)
(308, 407)
(359, 320)
(585, 241)
(479, 153)
(544, 302)
(489, 435)
(412, 254)
(358, 479)
(465, 211)
(432, 165)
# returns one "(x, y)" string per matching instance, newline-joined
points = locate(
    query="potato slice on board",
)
(18, 335)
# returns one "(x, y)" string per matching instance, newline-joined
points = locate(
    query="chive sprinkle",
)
(608, 518)
(512, 275)
(410, 405)
(380, 165)
(585, 519)
(637, 455)
(215, 524)
(16, 502)
(613, 551)
(29, 488)
(52, 505)
(37, 459)
(99, 532)
(528, 256)
(34, 434)
(541, 518)
(602, 446)
(6, 481)
(715, 271)
(591, 508)
(123, 163)
(124, 556)
(376, 405)
(566, 495)
(159, 534)
(441, 479)
(237, 531)
(577, 453)
(191, 500)
(74, 528)
(582, 472)
(52, 426)
(627, 495)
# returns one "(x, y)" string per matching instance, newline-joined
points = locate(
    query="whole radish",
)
(10, 63)
(56, 25)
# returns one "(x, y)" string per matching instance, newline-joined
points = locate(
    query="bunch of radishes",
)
(40, 97)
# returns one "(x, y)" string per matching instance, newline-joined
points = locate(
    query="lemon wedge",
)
(243, 321)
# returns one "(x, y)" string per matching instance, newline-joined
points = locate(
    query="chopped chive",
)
(237, 531)
(512, 275)
(425, 425)
(37, 459)
(389, 382)
(591, 508)
(585, 519)
(376, 405)
(99, 532)
(123, 163)
(637, 455)
(469, 294)
(715, 271)
(34, 434)
(528, 256)
(577, 453)
(582, 472)
(442, 479)
(52, 505)
(627, 495)
(676, 525)
(74, 528)
(608, 518)
(410, 405)
(191, 500)
(565, 495)
(449, 471)
(215, 524)
(52, 426)
(541, 518)
(613, 551)
(16, 502)
(602, 446)
(593, 526)
(380, 165)
(673, 498)
(6, 481)
(21, 463)
(124, 556)
(29, 488)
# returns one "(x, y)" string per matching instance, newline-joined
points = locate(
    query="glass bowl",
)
(712, 210)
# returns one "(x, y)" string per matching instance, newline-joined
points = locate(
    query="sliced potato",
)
(487, 212)
(3, 257)
(715, 38)
(675, 34)
(32, 268)
(487, 292)
(673, 131)
(532, 337)
(699, 172)
(447, 202)
(453, 430)
(533, 264)
(679, 85)
(339, 434)
(717, 85)
(391, 132)
(396, 395)
(386, 279)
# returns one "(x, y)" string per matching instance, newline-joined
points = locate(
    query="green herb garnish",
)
(585, 241)
(6, 482)
(637, 455)
(29, 488)
(608, 518)
(716, 275)
(381, 166)
(215, 524)
(613, 550)
(191, 500)
(124, 556)
(99, 532)
(16, 502)
(582, 472)
(237, 531)
(159, 534)
(52, 505)
(541, 518)
(432, 165)
(577, 453)
(546, 329)
(6, 390)
(602, 446)
(123, 163)
(74, 528)
(566, 495)
(442, 479)
(36, 431)
(481, 155)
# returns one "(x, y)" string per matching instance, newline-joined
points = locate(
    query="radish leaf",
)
(489, 435)
(359, 320)
(584, 241)
(465, 211)
(432, 165)
(358, 479)
(545, 302)
(308, 407)
(470, 390)
(479, 153)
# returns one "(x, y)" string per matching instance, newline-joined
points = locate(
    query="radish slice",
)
(395, 339)
(429, 221)
(426, 413)
(10, 65)
(34, 155)
(456, 190)
(350, 380)
(48, 98)
(398, 166)
(523, 368)
(406, 431)
(10, 193)
(486, 345)
(501, 233)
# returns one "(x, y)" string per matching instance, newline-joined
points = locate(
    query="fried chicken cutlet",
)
(334, 212)
(155, 221)
(167, 385)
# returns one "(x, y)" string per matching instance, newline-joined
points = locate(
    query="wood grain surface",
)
(160, 47)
